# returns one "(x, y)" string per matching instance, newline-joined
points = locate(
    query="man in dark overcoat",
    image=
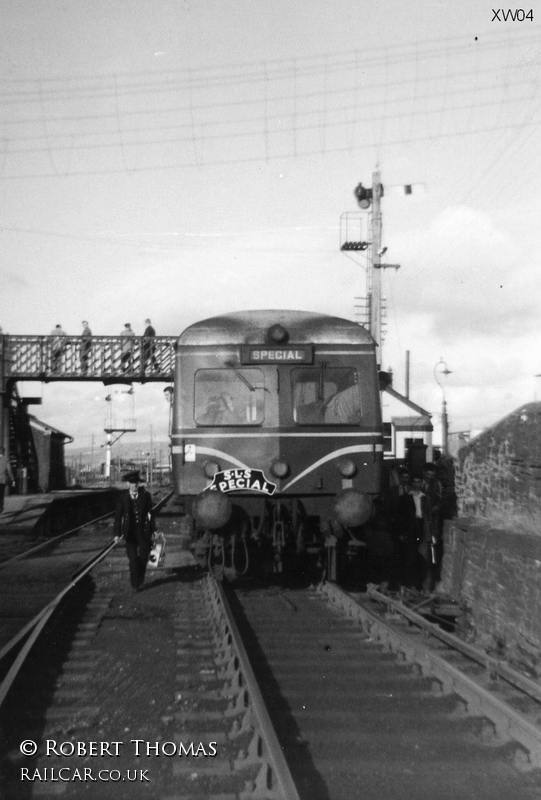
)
(149, 347)
(134, 521)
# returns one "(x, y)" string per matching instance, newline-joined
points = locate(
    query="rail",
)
(507, 721)
(44, 358)
(33, 628)
(495, 667)
(48, 542)
(36, 625)
(274, 778)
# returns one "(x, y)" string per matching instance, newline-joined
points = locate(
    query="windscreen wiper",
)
(243, 378)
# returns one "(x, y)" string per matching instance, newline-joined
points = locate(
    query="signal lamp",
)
(210, 468)
(280, 469)
(363, 195)
(346, 468)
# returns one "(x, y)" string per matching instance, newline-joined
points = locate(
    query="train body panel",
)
(313, 464)
(275, 405)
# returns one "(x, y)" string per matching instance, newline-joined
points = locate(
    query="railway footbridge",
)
(108, 359)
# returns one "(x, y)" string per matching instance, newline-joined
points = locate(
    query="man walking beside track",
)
(134, 520)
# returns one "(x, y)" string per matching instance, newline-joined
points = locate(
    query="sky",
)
(175, 160)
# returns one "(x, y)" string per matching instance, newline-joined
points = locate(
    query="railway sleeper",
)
(523, 736)
(223, 706)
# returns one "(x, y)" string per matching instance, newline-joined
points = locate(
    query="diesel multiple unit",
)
(277, 427)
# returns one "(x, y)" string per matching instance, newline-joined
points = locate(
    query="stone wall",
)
(499, 472)
(496, 576)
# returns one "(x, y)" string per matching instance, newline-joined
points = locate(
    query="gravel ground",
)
(124, 674)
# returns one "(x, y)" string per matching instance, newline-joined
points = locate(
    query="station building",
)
(406, 426)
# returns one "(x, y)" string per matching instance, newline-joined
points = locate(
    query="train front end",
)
(277, 415)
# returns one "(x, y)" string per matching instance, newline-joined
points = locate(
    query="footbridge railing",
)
(103, 358)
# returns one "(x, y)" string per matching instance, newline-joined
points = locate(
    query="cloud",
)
(12, 280)
(469, 275)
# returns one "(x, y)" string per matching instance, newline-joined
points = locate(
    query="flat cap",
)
(132, 477)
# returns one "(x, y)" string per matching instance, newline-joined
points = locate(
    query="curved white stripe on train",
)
(211, 451)
(354, 448)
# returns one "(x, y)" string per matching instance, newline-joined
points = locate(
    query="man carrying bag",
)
(134, 521)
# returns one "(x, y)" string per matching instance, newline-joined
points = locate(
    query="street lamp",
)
(441, 369)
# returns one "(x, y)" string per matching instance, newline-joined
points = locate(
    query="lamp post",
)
(441, 369)
(108, 444)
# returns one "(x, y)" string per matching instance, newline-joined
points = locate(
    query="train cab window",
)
(326, 396)
(229, 396)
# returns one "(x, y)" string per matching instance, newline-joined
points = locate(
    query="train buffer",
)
(104, 358)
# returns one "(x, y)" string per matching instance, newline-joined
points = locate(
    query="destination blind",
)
(267, 354)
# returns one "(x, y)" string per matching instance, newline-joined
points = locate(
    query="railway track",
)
(143, 690)
(135, 689)
(360, 712)
(32, 578)
(192, 690)
(510, 700)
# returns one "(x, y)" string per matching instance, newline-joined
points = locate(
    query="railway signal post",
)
(369, 199)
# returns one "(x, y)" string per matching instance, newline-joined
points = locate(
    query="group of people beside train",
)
(61, 340)
(420, 501)
(401, 546)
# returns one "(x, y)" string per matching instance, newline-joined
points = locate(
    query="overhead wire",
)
(292, 128)
(278, 156)
(277, 112)
(324, 93)
(511, 143)
(451, 47)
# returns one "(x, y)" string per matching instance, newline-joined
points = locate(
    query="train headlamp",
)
(277, 334)
(346, 468)
(210, 468)
(280, 469)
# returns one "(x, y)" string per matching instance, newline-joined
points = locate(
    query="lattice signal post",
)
(115, 424)
(354, 240)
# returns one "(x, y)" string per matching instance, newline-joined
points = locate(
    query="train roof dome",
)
(250, 327)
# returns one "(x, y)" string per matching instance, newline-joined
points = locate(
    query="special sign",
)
(268, 354)
(234, 480)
